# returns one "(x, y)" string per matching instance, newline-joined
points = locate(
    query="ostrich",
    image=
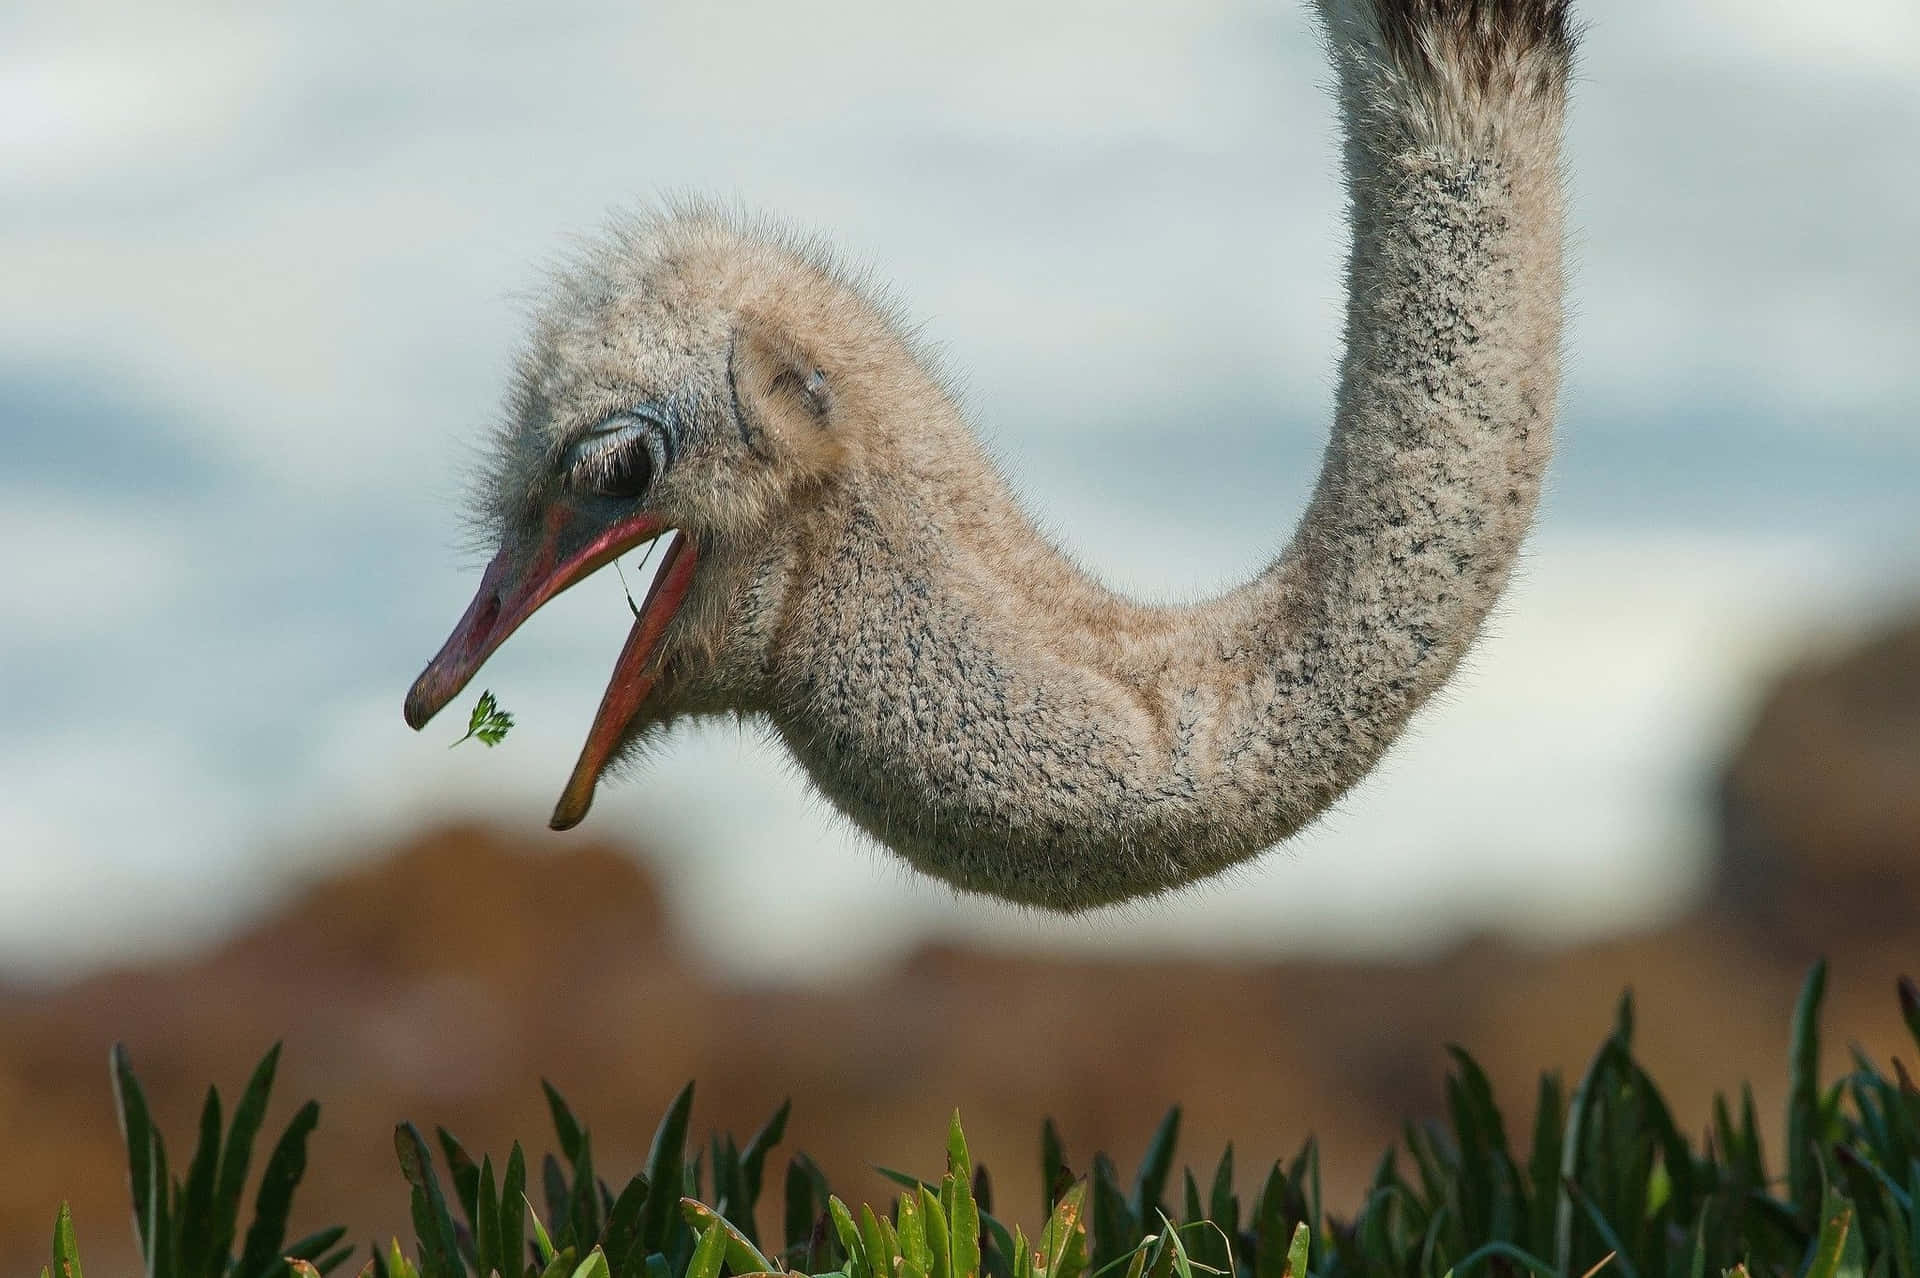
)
(845, 563)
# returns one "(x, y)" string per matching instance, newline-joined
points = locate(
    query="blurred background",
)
(262, 272)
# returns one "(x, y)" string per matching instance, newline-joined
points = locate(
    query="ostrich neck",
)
(963, 693)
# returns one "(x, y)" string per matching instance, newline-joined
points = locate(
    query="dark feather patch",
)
(1485, 41)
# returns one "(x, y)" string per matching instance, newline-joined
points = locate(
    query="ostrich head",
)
(687, 378)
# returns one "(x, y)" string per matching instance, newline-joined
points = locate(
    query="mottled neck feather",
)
(966, 695)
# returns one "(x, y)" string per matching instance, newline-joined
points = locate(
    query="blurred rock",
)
(1820, 802)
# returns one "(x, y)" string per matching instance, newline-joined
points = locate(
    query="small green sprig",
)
(488, 724)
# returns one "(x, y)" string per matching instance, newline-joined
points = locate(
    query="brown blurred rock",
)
(443, 979)
(1820, 802)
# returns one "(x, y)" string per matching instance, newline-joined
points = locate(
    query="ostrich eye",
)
(620, 472)
(622, 458)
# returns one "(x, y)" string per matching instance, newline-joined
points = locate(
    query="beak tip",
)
(572, 808)
(417, 711)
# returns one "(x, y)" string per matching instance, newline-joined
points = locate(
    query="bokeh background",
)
(262, 270)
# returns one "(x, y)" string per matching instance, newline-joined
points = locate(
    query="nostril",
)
(484, 617)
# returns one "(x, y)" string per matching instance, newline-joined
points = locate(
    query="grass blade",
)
(432, 1223)
(248, 1114)
(514, 1210)
(1150, 1183)
(708, 1254)
(1803, 1097)
(565, 1126)
(741, 1254)
(195, 1221)
(136, 1127)
(666, 1168)
(753, 1159)
(273, 1200)
(66, 1248)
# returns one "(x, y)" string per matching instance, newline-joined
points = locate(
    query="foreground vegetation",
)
(1605, 1181)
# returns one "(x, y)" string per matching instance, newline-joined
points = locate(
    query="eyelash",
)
(617, 450)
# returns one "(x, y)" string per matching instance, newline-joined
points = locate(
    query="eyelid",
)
(614, 432)
(638, 415)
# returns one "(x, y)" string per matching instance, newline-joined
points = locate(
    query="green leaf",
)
(555, 1189)
(956, 1198)
(1506, 1251)
(66, 1248)
(1837, 1253)
(397, 1264)
(742, 1256)
(561, 1265)
(1149, 1186)
(314, 1246)
(875, 1243)
(1573, 1147)
(621, 1238)
(543, 1245)
(1115, 1227)
(565, 1125)
(594, 1266)
(583, 1207)
(247, 1117)
(708, 1254)
(1309, 1179)
(486, 1225)
(1063, 1242)
(273, 1200)
(850, 1240)
(432, 1223)
(806, 1204)
(1270, 1227)
(916, 1256)
(488, 724)
(1803, 1096)
(514, 1210)
(1183, 1265)
(1297, 1251)
(1223, 1205)
(162, 1249)
(729, 1181)
(136, 1127)
(754, 1158)
(665, 1171)
(1543, 1162)
(1604, 1227)
(195, 1212)
(938, 1241)
(1054, 1175)
(463, 1172)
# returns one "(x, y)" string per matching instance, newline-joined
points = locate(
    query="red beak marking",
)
(518, 581)
(523, 577)
(631, 682)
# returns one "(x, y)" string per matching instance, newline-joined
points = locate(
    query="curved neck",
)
(966, 696)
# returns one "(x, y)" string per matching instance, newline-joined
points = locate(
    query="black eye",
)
(623, 457)
(621, 471)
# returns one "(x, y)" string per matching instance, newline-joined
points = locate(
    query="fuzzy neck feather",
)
(967, 696)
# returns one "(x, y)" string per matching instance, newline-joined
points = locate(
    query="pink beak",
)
(520, 579)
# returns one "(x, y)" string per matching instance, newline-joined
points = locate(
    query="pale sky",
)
(260, 280)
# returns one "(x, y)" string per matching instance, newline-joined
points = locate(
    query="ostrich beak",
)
(522, 577)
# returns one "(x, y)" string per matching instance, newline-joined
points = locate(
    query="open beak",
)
(521, 578)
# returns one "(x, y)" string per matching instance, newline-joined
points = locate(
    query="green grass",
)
(1603, 1182)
